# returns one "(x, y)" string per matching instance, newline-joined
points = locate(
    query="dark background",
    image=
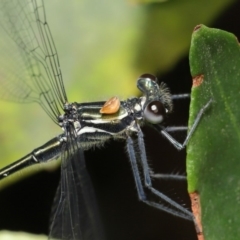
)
(26, 205)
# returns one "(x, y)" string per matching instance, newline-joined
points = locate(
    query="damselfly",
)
(84, 125)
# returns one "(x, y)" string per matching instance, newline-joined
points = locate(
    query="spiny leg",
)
(180, 96)
(169, 176)
(178, 145)
(180, 211)
(176, 128)
(174, 142)
(144, 164)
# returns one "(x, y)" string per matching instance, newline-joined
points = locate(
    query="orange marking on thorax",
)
(111, 106)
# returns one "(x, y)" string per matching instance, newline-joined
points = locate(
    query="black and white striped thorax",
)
(94, 128)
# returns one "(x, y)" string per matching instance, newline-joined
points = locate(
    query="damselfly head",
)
(158, 98)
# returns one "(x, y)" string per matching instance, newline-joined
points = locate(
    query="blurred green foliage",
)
(7, 235)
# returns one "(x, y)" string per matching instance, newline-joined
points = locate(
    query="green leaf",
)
(213, 154)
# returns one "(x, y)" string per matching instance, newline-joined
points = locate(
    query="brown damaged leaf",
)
(197, 81)
(196, 209)
(197, 27)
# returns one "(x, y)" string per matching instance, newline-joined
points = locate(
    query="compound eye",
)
(150, 76)
(154, 112)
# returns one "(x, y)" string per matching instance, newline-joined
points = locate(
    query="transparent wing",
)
(29, 64)
(74, 215)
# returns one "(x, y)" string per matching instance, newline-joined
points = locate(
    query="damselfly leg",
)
(139, 163)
